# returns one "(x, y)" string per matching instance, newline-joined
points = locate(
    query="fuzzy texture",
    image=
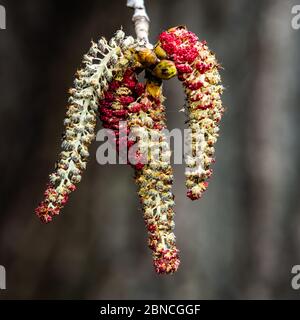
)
(141, 106)
(198, 70)
(115, 107)
(155, 178)
(103, 63)
(108, 84)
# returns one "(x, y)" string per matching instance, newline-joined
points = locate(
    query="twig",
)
(141, 21)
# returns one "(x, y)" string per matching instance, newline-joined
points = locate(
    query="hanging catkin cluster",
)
(108, 86)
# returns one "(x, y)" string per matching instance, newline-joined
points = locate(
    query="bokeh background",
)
(240, 241)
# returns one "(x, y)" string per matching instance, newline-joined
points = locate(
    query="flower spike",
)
(101, 65)
(197, 68)
(155, 178)
(141, 106)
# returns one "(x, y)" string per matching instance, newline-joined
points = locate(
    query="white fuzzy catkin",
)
(103, 63)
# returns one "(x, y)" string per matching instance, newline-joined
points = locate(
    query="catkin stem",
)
(141, 21)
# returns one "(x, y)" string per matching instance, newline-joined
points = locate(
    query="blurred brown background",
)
(240, 241)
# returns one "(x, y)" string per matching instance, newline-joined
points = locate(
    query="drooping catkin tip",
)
(168, 262)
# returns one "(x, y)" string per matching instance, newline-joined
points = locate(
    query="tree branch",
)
(141, 21)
